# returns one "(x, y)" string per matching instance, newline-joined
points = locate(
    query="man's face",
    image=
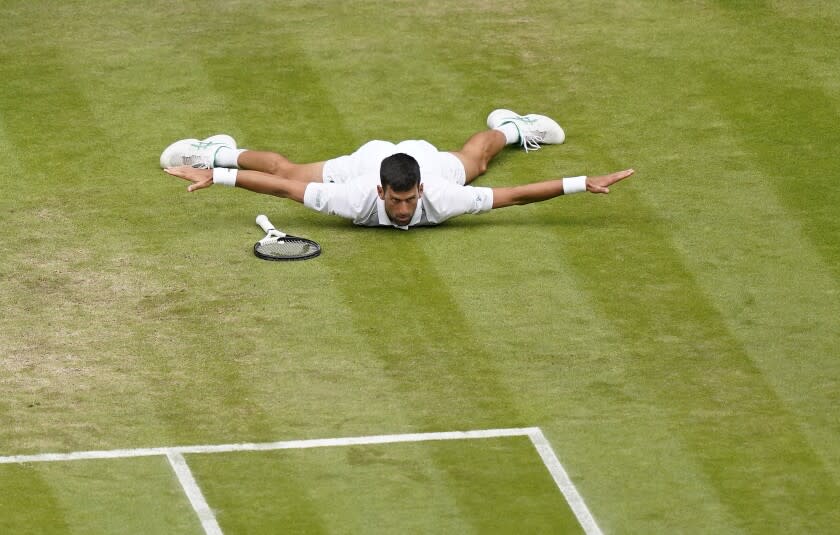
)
(400, 205)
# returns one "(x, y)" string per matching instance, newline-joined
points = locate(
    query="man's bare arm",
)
(255, 181)
(542, 191)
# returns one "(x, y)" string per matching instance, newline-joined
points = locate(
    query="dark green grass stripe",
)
(41, 107)
(251, 404)
(279, 497)
(791, 132)
(749, 248)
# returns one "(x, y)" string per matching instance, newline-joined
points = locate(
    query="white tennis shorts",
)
(368, 158)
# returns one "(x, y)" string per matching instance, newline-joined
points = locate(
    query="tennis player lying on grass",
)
(402, 185)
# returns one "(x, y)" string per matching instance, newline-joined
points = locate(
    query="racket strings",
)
(287, 248)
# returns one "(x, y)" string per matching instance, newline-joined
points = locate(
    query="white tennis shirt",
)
(350, 185)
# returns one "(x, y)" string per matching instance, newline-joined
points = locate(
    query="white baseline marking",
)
(199, 504)
(267, 446)
(175, 456)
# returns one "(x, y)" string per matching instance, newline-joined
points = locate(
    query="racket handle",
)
(264, 223)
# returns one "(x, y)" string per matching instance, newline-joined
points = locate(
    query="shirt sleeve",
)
(350, 200)
(444, 200)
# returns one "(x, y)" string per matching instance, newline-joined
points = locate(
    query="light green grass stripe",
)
(159, 365)
(46, 340)
(117, 496)
(776, 83)
(787, 127)
(380, 488)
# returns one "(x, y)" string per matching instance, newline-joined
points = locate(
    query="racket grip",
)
(264, 223)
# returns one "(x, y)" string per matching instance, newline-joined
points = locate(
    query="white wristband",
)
(224, 176)
(575, 184)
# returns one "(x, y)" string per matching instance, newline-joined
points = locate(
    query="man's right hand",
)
(200, 178)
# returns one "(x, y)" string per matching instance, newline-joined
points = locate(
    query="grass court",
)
(675, 342)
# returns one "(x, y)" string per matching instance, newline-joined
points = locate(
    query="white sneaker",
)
(200, 154)
(534, 130)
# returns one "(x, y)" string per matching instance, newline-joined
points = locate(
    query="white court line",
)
(200, 506)
(267, 446)
(175, 456)
(563, 482)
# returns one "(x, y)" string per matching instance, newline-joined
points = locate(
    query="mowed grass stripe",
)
(393, 487)
(722, 403)
(114, 496)
(83, 331)
(144, 81)
(29, 501)
(64, 302)
(253, 491)
(446, 374)
(179, 381)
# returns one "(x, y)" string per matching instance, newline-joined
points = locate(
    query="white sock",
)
(228, 157)
(510, 131)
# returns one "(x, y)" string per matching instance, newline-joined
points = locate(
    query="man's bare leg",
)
(478, 150)
(276, 164)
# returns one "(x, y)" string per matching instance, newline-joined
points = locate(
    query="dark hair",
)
(400, 172)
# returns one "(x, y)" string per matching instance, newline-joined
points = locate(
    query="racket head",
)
(286, 248)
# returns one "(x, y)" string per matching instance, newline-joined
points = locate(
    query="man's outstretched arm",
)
(542, 191)
(255, 181)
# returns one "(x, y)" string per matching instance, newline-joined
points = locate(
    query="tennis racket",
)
(278, 245)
